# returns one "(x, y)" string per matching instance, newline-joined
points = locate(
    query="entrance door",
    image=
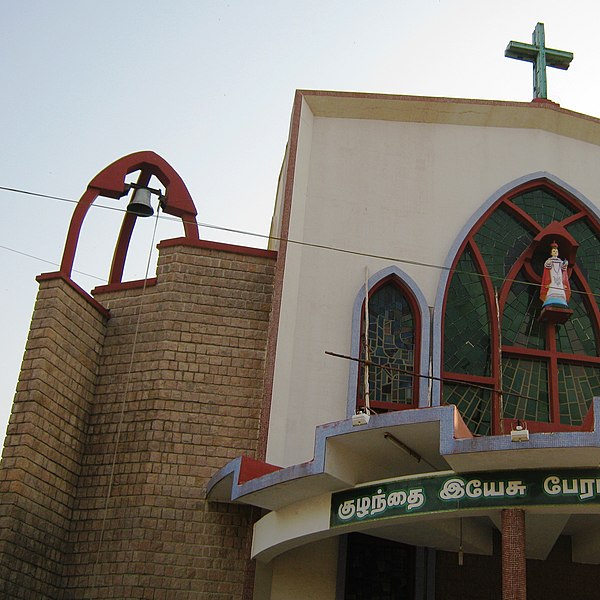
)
(378, 569)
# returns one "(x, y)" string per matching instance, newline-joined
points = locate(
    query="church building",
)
(398, 399)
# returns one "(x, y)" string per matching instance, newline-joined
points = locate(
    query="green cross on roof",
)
(541, 57)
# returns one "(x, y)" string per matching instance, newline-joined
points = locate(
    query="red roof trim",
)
(246, 250)
(124, 285)
(251, 469)
(58, 275)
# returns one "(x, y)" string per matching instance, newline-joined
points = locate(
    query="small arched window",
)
(393, 348)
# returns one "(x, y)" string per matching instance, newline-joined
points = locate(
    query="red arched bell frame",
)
(110, 182)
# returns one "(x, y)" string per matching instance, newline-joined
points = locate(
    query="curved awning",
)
(418, 444)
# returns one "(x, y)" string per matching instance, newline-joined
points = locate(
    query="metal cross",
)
(541, 57)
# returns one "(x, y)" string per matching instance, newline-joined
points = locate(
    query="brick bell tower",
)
(128, 401)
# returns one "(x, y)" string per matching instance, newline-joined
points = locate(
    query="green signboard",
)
(437, 493)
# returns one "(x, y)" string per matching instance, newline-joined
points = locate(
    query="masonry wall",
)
(190, 404)
(45, 440)
(165, 416)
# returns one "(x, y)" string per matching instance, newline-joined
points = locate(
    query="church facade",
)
(395, 400)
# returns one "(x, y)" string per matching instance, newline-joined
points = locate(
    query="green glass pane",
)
(543, 207)
(466, 322)
(588, 253)
(474, 405)
(501, 240)
(520, 326)
(391, 344)
(577, 386)
(576, 336)
(525, 389)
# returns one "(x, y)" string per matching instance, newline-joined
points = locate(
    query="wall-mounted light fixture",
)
(520, 433)
(360, 418)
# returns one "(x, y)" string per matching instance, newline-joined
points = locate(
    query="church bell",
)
(140, 204)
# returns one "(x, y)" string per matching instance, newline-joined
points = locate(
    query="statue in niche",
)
(556, 290)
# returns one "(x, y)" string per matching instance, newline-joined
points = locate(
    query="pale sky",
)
(209, 86)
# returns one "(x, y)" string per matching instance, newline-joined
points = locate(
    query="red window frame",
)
(499, 424)
(376, 405)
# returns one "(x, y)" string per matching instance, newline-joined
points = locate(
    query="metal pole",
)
(366, 343)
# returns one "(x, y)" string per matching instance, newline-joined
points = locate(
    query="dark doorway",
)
(378, 569)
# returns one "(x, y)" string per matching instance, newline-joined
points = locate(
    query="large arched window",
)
(503, 357)
(394, 348)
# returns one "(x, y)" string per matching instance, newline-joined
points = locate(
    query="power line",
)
(49, 262)
(382, 257)
(391, 368)
(19, 191)
(305, 244)
(61, 198)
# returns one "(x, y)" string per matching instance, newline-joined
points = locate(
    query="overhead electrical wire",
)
(50, 262)
(393, 369)
(61, 198)
(164, 217)
(295, 242)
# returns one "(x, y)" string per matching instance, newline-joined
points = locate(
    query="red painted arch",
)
(110, 182)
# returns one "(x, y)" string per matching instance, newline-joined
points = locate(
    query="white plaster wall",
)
(283, 375)
(308, 572)
(393, 189)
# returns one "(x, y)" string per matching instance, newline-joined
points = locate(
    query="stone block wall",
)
(164, 417)
(45, 440)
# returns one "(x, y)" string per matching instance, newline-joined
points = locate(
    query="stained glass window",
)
(548, 371)
(577, 385)
(577, 336)
(588, 255)
(501, 241)
(391, 347)
(525, 389)
(474, 405)
(466, 325)
(520, 326)
(543, 206)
